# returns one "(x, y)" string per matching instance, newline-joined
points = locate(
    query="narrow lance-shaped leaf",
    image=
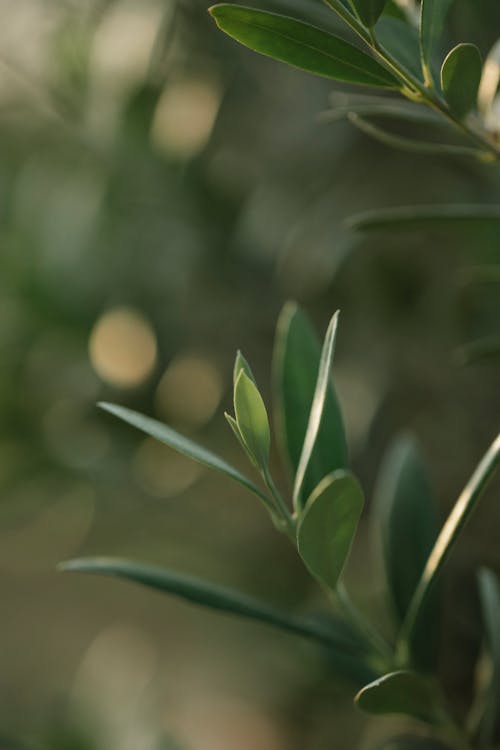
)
(181, 444)
(301, 45)
(432, 19)
(317, 408)
(368, 11)
(406, 217)
(447, 539)
(251, 419)
(405, 519)
(327, 526)
(489, 592)
(296, 358)
(240, 363)
(460, 78)
(344, 649)
(403, 692)
(401, 39)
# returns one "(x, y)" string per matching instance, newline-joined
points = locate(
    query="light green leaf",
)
(301, 45)
(327, 526)
(368, 11)
(323, 385)
(432, 19)
(446, 541)
(460, 78)
(489, 592)
(251, 418)
(401, 692)
(406, 521)
(181, 444)
(296, 359)
(344, 649)
(240, 363)
(425, 216)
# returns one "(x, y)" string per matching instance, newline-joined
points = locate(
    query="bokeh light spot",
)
(190, 391)
(123, 348)
(162, 473)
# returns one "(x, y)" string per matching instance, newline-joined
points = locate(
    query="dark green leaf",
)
(406, 521)
(399, 693)
(401, 39)
(486, 349)
(322, 388)
(432, 19)
(345, 650)
(327, 526)
(251, 418)
(296, 359)
(447, 539)
(409, 742)
(393, 10)
(181, 444)
(489, 591)
(369, 11)
(460, 78)
(301, 45)
(418, 216)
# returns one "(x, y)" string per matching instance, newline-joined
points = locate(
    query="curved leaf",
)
(317, 413)
(406, 521)
(417, 216)
(251, 418)
(327, 526)
(296, 359)
(460, 78)
(344, 649)
(432, 19)
(399, 693)
(301, 45)
(182, 444)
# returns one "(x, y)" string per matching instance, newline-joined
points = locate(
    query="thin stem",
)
(281, 506)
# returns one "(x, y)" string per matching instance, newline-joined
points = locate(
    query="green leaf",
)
(406, 742)
(446, 541)
(401, 692)
(489, 592)
(485, 349)
(181, 444)
(301, 45)
(369, 11)
(327, 526)
(406, 521)
(296, 359)
(432, 19)
(401, 39)
(425, 216)
(251, 418)
(393, 10)
(460, 78)
(344, 649)
(240, 363)
(317, 412)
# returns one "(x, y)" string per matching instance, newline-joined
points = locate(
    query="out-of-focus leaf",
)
(485, 349)
(251, 418)
(345, 651)
(384, 109)
(392, 10)
(369, 11)
(447, 539)
(296, 358)
(181, 444)
(406, 521)
(410, 144)
(327, 526)
(317, 412)
(405, 742)
(432, 19)
(489, 592)
(401, 39)
(401, 692)
(301, 45)
(423, 216)
(460, 78)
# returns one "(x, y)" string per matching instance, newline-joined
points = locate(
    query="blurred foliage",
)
(162, 192)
